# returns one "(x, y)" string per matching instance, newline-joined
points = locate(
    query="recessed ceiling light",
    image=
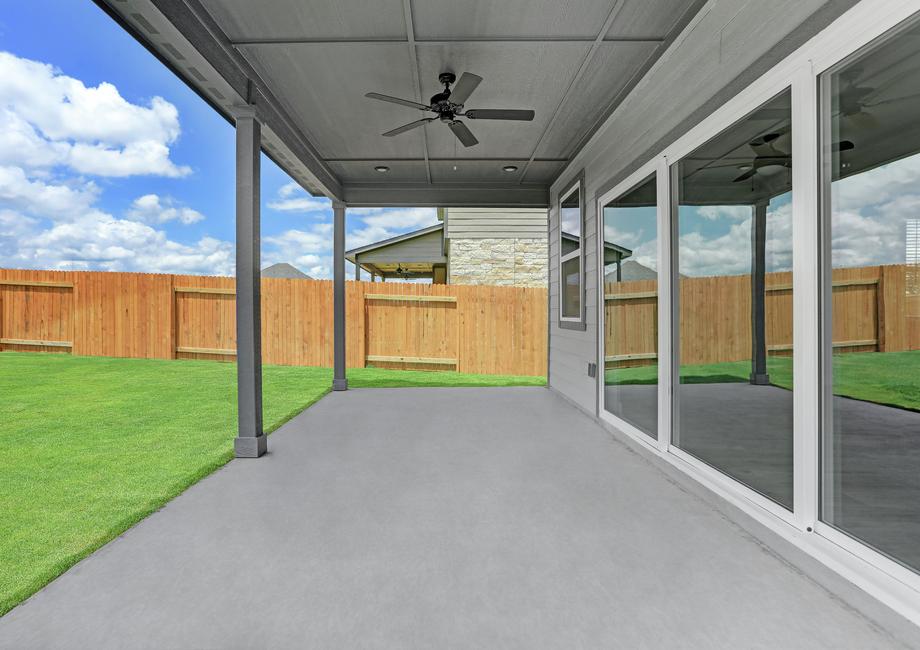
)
(383, 169)
(509, 168)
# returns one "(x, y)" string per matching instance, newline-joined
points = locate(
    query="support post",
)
(759, 376)
(339, 381)
(357, 270)
(250, 441)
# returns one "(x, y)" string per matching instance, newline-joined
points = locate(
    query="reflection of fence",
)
(873, 310)
(479, 329)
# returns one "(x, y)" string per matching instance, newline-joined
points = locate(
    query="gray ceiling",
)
(571, 61)
(321, 57)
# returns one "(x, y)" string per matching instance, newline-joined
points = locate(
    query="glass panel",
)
(871, 120)
(571, 271)
(631, 307)
(570, 238)
(735, 264)
(570, 217)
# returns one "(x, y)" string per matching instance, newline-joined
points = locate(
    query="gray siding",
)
(720, 52)
(487, 223)
(426, 248)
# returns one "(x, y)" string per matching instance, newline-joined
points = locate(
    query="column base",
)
(250, 446)
(339, 384)
(760, 380)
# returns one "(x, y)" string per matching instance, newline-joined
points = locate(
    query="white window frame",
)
(573, 322)
(887, 580)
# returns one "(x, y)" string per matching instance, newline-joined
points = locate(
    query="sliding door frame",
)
(884, 578)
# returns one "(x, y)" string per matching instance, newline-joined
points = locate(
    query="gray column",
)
(339, 382)
(759, 374)
(357, 270)
(250, 441)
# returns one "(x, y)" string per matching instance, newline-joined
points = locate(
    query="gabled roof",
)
(350, 255)
(608, 246)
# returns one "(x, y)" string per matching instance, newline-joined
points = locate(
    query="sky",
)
(870, 216)
(109, 162)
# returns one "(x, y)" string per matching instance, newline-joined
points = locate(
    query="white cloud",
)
(50, 119)
(293, 198)
(98, 241)
(300, 204)
(38, 197)
(730, 212)
(153, 209)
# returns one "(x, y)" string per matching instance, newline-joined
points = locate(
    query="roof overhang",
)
(305, 69)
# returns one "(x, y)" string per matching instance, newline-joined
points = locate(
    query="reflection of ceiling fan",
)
(772, 154)
(855, 99)
(449, 105)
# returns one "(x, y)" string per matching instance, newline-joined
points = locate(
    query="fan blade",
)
(499, 114)
(397, 100)
(893, 100)
(746, 175)
(408, 127)
(843, 145)
(464, 87)
(466, 138)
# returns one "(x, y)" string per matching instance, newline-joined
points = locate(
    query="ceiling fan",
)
(449, 105)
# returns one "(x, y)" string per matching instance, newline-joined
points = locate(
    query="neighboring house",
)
(284, 270)
(470, 246)
(481, 246)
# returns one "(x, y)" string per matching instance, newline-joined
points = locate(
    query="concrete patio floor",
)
(450, 518)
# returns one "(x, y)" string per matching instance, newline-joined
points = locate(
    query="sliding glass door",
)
(630, 292)
(734, 251)
(870, 115)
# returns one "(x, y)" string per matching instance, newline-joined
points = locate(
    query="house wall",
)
(516, 262)
(500, 247)
(724, 48)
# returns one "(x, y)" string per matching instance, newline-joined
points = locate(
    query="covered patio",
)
(434, 518)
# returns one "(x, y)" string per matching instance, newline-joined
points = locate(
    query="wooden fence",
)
(476, 329)
(874, 309)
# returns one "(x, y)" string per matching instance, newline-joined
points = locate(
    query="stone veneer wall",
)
(508, 262)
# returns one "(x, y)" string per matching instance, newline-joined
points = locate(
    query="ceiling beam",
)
(413, 61)
(663, 45)
(383, 195)
(321, 40)
(465, 160)
(585, 62)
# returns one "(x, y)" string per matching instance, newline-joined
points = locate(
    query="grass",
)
(891, 378)
(89, 446)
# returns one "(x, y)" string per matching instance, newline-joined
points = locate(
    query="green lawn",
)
(891, 378)
(89, 446)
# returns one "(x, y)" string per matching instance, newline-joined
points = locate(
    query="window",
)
(630, 294)
(734, 248)
(870, 143)
(571, 247)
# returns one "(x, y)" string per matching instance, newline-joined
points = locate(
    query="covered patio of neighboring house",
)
(414, 255)
(520, 518)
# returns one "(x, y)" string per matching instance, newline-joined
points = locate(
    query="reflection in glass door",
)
(631, 307)
(734, 247)
(871, 439)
